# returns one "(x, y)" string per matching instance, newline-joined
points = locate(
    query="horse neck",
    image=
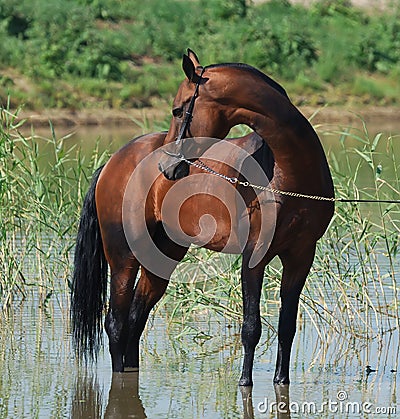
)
(297, 150)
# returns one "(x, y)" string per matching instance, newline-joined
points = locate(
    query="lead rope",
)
(235, 180)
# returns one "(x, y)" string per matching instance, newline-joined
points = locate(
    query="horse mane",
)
(256, 72)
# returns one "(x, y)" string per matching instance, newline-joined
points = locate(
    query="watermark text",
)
(340, 405)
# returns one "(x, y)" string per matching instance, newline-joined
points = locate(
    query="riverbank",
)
(149, 116)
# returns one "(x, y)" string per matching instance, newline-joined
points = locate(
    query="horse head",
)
(213, 99)
(195, 113)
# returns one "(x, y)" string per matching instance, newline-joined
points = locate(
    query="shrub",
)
(113, 41)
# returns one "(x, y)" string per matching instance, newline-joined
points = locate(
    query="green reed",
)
(354, 277)
(42, 181)
(351, 289)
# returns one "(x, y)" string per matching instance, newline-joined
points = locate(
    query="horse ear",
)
(189, 69)
(192, 55)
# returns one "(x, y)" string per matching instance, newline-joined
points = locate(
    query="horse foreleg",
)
(122, 284)
(296, 266)
(251, 330)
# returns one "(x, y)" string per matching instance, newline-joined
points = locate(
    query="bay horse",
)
(130, 217)
(210, 101)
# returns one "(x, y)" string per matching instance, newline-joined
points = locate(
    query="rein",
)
(235, 180)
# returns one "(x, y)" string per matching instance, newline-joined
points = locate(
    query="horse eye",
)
(177, 112)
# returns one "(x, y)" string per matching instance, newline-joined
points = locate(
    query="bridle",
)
(189, 112)
(188, 118)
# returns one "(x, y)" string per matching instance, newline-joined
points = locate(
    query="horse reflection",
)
(123, 397)
(280, 408)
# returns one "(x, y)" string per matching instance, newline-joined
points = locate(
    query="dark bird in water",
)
(369, 369)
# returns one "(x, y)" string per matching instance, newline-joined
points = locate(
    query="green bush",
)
(140, 44)
(379, 49)
(285, 51)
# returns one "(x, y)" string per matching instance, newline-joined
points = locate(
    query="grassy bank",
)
(351, 289)
(113, 54)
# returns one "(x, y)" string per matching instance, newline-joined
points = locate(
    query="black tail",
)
(89, 283)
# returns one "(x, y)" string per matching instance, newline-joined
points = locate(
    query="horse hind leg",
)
(296, 266)
(116, 324)
(129, 309)
(149, 290)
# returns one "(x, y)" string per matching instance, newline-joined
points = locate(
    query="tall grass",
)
(42, 181)
(352, 288)
(353, 285)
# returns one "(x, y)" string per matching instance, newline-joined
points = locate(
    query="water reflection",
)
(247, 399)
(123, 398)
(282, 401)
(279, 408)
(87, 398)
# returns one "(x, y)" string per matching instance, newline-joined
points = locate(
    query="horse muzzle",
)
(174, 171)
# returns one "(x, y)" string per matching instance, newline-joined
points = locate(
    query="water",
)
(193, 372)
(180, 378)
(352, 133)
(113, 137)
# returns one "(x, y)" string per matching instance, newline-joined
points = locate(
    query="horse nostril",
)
(175, 171)
(182, 170)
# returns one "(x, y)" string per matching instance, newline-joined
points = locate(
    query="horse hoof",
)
(131, 369)
(281, 381)
(245, 382)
